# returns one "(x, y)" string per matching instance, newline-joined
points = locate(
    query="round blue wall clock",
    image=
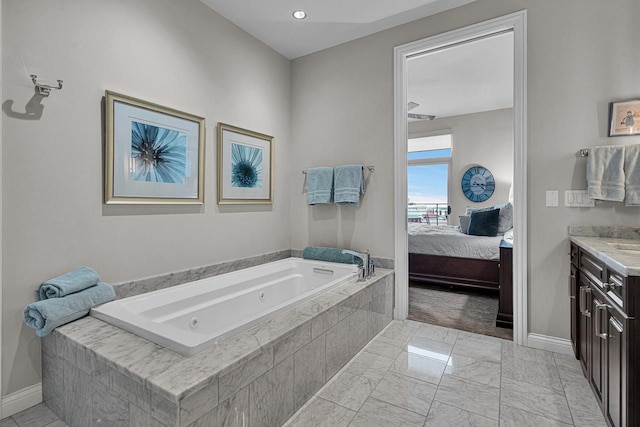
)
(478, 184)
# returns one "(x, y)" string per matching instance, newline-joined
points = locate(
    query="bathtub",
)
(192, 317)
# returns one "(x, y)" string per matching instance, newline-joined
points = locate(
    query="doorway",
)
(515, 23)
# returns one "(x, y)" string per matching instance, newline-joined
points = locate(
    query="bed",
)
(443, 254)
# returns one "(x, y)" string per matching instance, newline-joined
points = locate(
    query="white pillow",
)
(506, 218)
(464, 223)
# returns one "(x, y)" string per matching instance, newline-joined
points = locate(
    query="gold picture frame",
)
(153, 154)
(245, 166)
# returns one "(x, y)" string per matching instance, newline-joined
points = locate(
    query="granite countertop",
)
(601, 243)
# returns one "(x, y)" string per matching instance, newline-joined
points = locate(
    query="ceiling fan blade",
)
(421, 116)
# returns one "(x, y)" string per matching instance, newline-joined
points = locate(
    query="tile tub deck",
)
(97, 374)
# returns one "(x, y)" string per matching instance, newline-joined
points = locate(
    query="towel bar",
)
(370, 168)
(43, 89)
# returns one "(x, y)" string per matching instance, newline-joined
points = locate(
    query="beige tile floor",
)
(415, 374)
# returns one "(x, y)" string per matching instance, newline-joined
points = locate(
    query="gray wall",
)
(334, 107)
(581, 55)
(178, 54)
(484, 139)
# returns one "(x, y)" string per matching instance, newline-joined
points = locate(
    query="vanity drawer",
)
(573, 253)
(616, 287)
(593, 268)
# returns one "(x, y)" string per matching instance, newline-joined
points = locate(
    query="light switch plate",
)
(578, 199)
(552, 199)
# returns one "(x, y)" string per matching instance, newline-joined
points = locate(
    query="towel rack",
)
(43, 89)
(370, 168)
(584, 152)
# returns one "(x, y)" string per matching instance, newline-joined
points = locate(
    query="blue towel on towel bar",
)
(68, 283)
(605, 173)
(632, 175)
(319, 186)
(46, 315)
(329, 255)
(349, 184)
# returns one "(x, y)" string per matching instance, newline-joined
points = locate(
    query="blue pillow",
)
(484, 223)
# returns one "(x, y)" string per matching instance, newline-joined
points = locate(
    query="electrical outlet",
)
(552, 199)
(578, 199)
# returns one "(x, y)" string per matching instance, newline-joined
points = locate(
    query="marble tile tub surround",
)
(599, 241)
(97, 374)
(148, 284)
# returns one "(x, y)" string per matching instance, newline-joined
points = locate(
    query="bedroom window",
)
(429, 162)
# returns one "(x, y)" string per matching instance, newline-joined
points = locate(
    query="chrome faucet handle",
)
(364, 257)
(366, 260)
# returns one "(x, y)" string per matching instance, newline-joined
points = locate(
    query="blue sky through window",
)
(431, 154)
(428, 183)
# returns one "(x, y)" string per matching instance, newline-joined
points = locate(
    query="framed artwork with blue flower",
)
(153, 154)
(245, 166)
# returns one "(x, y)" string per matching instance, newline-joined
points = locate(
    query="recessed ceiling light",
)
(299, 14)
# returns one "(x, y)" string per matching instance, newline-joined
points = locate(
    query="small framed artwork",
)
(245, 166)
(624, 118)
(154, 154)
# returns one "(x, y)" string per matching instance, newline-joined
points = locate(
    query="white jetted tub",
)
(191, 317)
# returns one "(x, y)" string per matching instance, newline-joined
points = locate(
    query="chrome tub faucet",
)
(367, 263)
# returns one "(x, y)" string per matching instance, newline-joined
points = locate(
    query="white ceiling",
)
(468, 78)
(328, 23)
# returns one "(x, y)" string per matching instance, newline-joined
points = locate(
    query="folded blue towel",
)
(319, 186)
(68, 283)
(632, 175)
(329, 255)
(46, 315)
(349, 184)
(605, 173)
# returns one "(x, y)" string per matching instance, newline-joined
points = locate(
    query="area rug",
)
(464, 309)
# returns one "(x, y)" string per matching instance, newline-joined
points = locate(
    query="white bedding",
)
(448, 240)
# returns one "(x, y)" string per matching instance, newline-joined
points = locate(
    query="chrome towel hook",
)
(44, 89)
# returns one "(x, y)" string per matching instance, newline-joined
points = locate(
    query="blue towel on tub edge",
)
(349, 185)
(68, 283)
(318, 253)
(46, 315)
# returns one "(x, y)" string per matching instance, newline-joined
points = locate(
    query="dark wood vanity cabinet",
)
(573, 294)
(604, 335)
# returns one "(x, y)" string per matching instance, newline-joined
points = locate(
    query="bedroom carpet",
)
(466, 310)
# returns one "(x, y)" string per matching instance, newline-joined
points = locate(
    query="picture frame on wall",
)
(153, 154)
(245, 166)
(624, 118)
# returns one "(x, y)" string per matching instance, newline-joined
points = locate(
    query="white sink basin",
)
(626, 247)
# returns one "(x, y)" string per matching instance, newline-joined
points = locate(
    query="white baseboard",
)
(21, 400)
(545, 342)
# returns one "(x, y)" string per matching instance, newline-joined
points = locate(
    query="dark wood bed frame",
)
(446, 270)
(470, 272)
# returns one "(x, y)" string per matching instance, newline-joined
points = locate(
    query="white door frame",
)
(1, 119)
(518, 23)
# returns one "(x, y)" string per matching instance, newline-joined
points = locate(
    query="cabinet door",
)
(615, 409)
(575, 313)
(584, 325)
(598, 345)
